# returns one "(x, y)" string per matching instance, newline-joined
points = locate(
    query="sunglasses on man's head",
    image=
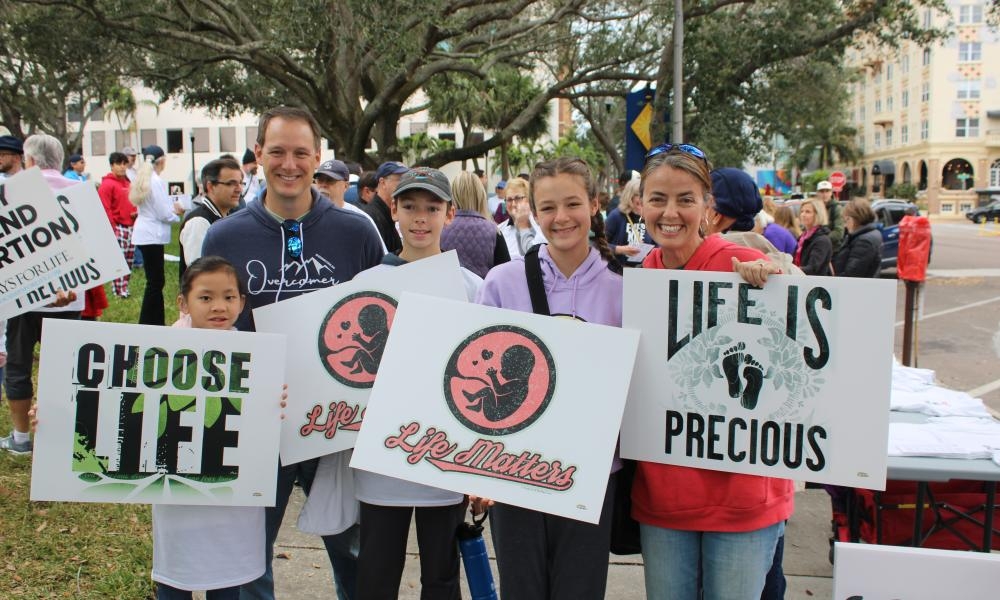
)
(293, 239)
(691, 149)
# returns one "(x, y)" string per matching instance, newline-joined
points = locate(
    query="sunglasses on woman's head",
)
(691, 149)
(293, 238)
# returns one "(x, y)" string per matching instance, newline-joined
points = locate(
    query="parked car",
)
(888, 214)
(990, 212)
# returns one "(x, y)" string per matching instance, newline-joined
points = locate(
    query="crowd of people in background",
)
(677, 212)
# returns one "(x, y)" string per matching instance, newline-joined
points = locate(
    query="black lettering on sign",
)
(813, 359)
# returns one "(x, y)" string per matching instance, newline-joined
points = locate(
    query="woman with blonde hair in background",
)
(151, 231)
(815, 248)
(624, 227)
(471, 233)
(521, 232)
(784, 216)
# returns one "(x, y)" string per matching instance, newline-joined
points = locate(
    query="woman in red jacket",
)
(701, 530)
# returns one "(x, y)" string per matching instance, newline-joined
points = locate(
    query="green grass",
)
(77, 550)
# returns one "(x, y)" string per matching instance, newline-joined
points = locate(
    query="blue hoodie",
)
(592, 294)
(336, 245)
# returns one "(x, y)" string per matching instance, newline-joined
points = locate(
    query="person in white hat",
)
(824, 191)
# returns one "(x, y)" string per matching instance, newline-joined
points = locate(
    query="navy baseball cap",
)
(390, 168)
(11, 144)
(334, 169)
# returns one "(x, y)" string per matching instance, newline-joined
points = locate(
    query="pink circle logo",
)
(353, 335)
(499, 380)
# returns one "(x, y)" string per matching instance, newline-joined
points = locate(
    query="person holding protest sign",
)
(701, 530)
(25, 330)
(422, 205)
(541, 555)
(151, 231)
(291, 242)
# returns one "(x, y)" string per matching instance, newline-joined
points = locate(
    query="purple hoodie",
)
(592, 294)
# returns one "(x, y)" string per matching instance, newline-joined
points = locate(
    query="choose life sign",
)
(500, 404)
(791, 380)
(141, 414)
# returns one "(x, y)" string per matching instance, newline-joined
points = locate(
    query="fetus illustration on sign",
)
(352, 338)
(499, 380)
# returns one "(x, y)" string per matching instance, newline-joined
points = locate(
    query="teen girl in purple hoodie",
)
(542, 556)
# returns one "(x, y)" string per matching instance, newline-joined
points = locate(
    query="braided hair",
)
(579, 168)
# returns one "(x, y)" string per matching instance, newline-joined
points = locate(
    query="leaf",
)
(162, 425)
(180, 403)
(213, 409)
(90, 477)
(139, 404)
(706, 377)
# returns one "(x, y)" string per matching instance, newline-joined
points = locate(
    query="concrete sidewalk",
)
(303, 571)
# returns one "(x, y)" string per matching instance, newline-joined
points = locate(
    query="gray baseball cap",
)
(424, 178)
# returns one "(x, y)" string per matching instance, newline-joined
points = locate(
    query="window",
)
(925, 92)
(888, 137)
(964, 207)
(904, 64)
(947, 207)
(122, 139)
(447, 136)
(97, 143)
(250, 138)
(200, 135)
(147, 137)
(878, 76)
(927, 57)
(888, 72)
(995, 174)
(888, 103)
(175, 141)
(924, 130)
(227, 139)
(904, 98)
(970, 51)
(904, 134)
(969, 89)
(966, 128)
(969, 14)
(927, 18)
(878, 140)
(862, 113)
(418, 127)
(878, 105)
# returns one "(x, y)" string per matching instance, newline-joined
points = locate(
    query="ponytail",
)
(141, 187)
(601, 243)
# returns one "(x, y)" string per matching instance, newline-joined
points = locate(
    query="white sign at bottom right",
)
(866, 572)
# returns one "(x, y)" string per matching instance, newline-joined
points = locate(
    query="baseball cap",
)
(334, 169)
(129, 151)
(11, 144)
(736, 196)
(390, 168)
(824, 185)
(502, 184)
(424, 178)
(153, 151)
(249, 157)
(74, 158)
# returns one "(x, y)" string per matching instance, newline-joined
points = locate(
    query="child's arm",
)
(377, 341)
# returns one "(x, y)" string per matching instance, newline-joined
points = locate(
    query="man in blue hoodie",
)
(291, 242)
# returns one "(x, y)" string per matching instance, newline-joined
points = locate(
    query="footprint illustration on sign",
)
(744, 375)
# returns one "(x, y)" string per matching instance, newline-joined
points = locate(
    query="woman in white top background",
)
(152, 229)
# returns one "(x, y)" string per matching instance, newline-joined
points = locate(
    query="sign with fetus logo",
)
(336, 340)
(500, 404)
(791, 380)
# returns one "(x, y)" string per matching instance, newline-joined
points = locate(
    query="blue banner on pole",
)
(638, 117)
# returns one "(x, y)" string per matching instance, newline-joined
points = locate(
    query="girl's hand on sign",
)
(63, 298)
(755, 272)
(33, 417)
(627, 250)
(478, 505)
(284, 400)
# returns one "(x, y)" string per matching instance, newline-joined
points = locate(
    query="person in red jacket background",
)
(114, 196)
(700, 529)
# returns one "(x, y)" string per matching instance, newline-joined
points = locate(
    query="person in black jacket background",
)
(861, 253)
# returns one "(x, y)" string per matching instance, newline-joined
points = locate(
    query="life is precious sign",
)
(791, 380)
(37, 241)
(513, 406)
(82, 207)
(157, 415)
(337, 338)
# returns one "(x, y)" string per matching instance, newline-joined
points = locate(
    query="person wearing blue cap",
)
(11, 156)
(76, 168)
(387, 175)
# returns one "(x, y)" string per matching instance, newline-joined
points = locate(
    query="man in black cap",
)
(251, 183)
(11, 156)
(387, 175)
(76, 168)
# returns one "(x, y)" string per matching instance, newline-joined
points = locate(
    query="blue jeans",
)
(165, 592)
(342, 548)
(724, 566)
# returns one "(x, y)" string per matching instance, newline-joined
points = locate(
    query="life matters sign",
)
(38, 241)
(513, 406)
(131, 413)
(337, 337)
(83, 210)
(791, 380)
(869, 572)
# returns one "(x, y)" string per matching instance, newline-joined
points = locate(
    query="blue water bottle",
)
(476, 560)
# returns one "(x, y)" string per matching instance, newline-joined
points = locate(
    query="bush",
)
(906, 191)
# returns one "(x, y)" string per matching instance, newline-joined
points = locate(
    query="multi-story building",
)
(930, 116)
